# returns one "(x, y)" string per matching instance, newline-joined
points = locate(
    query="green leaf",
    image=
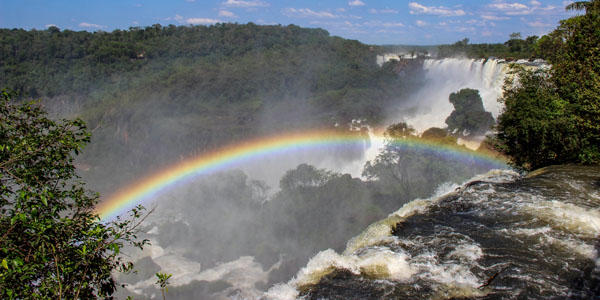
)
(5, 263)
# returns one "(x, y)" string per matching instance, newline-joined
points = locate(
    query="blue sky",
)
(414, 22)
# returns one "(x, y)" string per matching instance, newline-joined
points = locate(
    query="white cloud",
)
(460, 29)
(392, 24)
(307, 12)
(242, 3)
(494, 18)
(341, 9)
(516, 8)
(90, 25)
(383, 11)
(356, 3)
(135, 23)
(372, 24)
(225, 13)
(421, 23)
(197, 21)
(418, 9)
(509, 6)
(536, 23)
(263, 22)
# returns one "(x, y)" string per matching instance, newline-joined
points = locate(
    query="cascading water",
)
(430, 107)
(499, 236)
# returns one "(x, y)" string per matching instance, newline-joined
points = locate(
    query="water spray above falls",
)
(429, 107)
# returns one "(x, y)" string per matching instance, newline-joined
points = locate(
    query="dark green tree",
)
(406, 168)
(469, 116)
(535, 129)
(554, 117)
(52, 245)
(576, 73)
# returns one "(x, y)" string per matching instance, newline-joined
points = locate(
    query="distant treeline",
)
(51, 62)
(515, 48)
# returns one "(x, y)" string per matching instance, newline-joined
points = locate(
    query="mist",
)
(243, 230)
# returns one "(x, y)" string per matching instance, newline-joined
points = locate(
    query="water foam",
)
(566, 216)
(243, 273)
(368, 255)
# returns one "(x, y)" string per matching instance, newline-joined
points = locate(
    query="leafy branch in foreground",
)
(52, 245)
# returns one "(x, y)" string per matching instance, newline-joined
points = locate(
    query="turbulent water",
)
(499, 236)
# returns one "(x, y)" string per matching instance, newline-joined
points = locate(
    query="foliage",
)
(554, 117)
(163, 282)
(535, 128)
(407, 169)
(468, 116)
(170, 92)
(439, 136)
(52, 245)
(576, 73)
(515, 48)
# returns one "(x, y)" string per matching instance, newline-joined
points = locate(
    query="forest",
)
(180, 89)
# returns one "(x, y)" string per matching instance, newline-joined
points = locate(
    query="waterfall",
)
(430, 107)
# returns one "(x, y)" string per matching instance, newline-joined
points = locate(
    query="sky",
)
(418, 22)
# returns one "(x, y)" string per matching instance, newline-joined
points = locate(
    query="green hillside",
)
(181, 90)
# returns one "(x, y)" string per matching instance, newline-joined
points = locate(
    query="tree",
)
(576, 73)
(554, 117)
(535, 128)
(469, 115)
(579, 5)
(163, 282)
(52, 245)
(515, 36)
(515, 42)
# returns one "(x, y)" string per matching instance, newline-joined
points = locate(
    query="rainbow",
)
(235, 154)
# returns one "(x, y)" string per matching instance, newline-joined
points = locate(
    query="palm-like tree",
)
(579, 5)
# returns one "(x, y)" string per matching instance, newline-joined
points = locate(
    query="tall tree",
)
(52, 245)
(579, 5)
(554, 117)
(576, 73)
